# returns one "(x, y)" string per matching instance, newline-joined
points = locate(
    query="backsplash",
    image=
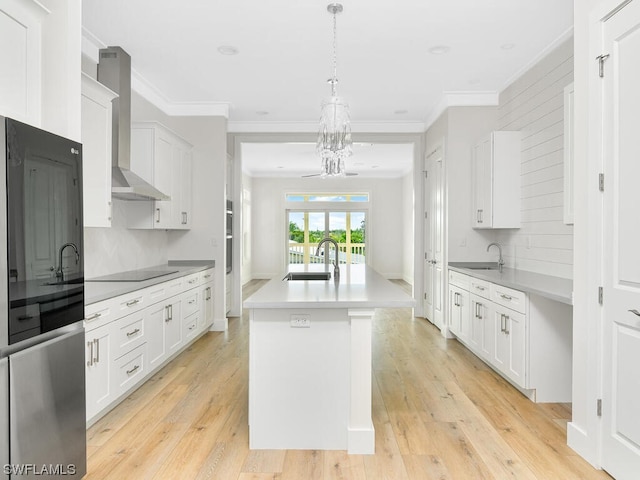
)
(117, 249)
(533, 104)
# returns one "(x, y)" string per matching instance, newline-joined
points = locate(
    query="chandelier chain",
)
(334, 81)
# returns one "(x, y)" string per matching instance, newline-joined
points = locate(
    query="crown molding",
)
(461, 99)
(564, 36)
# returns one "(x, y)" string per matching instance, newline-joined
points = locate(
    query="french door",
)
(308, 227)
(621, 307)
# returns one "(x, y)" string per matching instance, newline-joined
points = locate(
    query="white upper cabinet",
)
(96, 152)
(21, 60)
(496, 181)
(163, 159)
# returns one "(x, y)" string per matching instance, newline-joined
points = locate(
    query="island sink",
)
(307, 276)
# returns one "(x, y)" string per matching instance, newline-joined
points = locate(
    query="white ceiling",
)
(298, 159)
(278, 79)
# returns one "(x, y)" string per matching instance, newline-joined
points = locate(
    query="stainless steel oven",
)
(42, 404)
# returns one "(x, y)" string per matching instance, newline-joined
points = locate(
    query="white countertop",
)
(555, 288)
(359, 286)
(98, 291)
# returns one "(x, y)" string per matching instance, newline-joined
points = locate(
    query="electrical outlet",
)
(300, 320)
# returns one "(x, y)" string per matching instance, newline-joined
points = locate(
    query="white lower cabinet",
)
(98, 371)
(131, 336)
(459, 312)
(525, 338)
(509, 357)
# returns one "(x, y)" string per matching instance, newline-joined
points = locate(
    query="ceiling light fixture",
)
(334, 143)
(439, 50)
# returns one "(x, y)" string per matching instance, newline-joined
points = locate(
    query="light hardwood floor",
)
(439, 413)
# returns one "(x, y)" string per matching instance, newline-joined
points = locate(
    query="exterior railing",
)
(305, 253)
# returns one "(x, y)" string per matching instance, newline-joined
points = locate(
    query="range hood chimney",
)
(114, 71)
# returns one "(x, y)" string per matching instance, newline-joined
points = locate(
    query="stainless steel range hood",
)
(114, 71)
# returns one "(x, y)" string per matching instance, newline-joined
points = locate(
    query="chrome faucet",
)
(59, 272)
(336, 268)
(500, 259)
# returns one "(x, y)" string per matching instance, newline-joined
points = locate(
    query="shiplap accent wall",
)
(533, 104)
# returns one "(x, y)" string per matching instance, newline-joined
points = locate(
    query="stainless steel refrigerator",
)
(42, 373)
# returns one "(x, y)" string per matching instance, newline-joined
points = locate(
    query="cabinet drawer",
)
(132, 302)
(130, 368)
(459, 279)
(207, 276)
(191, 281)
(191, 304)
(99, 313)
(507, 297)
(190, 325)
(129, 333)
(24, 318)
(481, 288)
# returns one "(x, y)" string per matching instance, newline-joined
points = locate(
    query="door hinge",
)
(600, 295)
(601, 59)
(599, 407)
(426, 215)
(426, 174)
(425, 296)
(425, 255)
(601, 182)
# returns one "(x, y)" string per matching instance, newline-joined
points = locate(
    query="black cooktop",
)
(132, 276)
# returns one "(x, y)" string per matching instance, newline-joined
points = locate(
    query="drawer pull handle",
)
(94, 316)
(192, 327)
(193, 280)
(129, 372)
(208, 275)
(635, 312)
(480, 288)
(506, 297)
(25, 317)
(133, 332)
(191, 302)
(133, 302)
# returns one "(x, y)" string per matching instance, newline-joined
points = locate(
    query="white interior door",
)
(434, 238)
(621, 308)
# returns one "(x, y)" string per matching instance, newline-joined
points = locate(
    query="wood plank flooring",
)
(439, 413)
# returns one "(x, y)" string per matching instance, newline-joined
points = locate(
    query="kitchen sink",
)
(475, 265)
(307, 276)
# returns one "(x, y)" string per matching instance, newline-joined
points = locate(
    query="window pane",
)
(316, 233)
(357, 246)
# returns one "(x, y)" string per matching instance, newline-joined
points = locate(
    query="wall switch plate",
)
(300, 320)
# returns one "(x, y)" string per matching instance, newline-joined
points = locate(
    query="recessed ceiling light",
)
(262, 112)
(228, 50)
(507, 46)
(280, 167)
(439, 49)
(375, 166)
(401, 112)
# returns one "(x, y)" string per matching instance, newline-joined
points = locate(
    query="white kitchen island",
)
(310, 359)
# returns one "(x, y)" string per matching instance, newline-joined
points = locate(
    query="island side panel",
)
(361, 431)
(299, 379)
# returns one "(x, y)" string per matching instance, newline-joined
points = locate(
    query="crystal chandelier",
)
(334, 135)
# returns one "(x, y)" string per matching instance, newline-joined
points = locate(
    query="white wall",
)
(408, 237)
(465, 127)
(385, 220)
(246, 262)
(533, 104)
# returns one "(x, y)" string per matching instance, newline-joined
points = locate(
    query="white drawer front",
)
(207, 276)
(507, 297)
(132, 302)
(100, 313)
(191, 304)
(481, 288)
(129, 333)
(191, 281)
(130, 368)
(190, 325)
(459, 279)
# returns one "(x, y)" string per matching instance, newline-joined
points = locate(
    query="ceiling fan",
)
(348, 174)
